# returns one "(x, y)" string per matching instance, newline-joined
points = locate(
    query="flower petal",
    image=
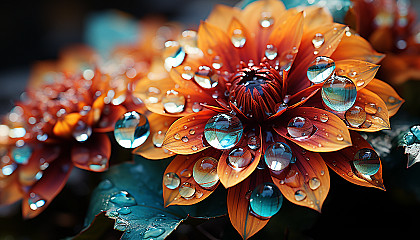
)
(183, 167)
(360, 72)
(316, 16)
(341, 163)
(186, 135)
(159, 125)
(329, 133)
(109, 116)
(238, 204)
(307, 181)
(228, 175)
(64, 126)
(10, 189)
(221, 16)
(92, 155)
(45, 190)
(391, 98)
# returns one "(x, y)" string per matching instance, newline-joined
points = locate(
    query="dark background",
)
(37, 30)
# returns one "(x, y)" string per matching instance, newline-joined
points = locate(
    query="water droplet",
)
(186, 173)
(153, 233)
(205, 172)
(415, 130)
(320, 69)
(323, 117)
(192, 132)
(158, 138)
(366, 161)
(123, 198)
(132, 130)
(300, 195)
(153, 95)
(171, 180)
(187, 190)
(194, 148)
(35, 201)
(82, 131)
(120, 225)
(371, 108)
(254, 142)
(318, 40)
(355, 116)
(314, 183)
(340, 137)
(124, 210)
(239, 159)
(266, 21)
(187, 74)
(184, 139)
(174, 54)
(278, 156)
(271, 52)
(199, 194)
(223, 131)
(173, 102)
(265, 200)
(392, 99)
(339, 93)
(22, 154)
(196, 107)
(206, 78)
(105, 185)
(177, 136)
(300, 127)
(217, 62)
(238, 38)
(322, 172)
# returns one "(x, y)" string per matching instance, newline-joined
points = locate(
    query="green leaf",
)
(131, 194)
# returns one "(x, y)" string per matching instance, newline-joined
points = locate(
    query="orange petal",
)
(329, 131)
(238, 204)
(332, 33)
(93, 154)
(247, 51)
(10, 189)
(182, 166)
(341, 163)
(307, 181)
(228, 175)
(388, 94)
(186, 135)
(109, 116)
(45, 190)
(64, 126)
(222, 15)
(158, 126)
(360, 50)
(316, 16)
(360, 72)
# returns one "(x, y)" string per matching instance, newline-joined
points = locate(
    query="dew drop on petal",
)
(265, 200)
(153, 95)
(186, 173)
(206, 77)
(223, 131)
(299, 127)
(132, 130)
(238, 38)
(300, 195)
(266, 20)
(278, 156)
(320, 69)
(366, 161)
(205, 172)
(239, 158)
(355, 116)
(171, 180)
(123, 198)
(318, 40)
(82, 131)
(187, 74)
(35, 201)
(187, 190)
(314, 183)
(158, 138)
(124, 210)
(339, 93)
(323, 117)
(271, 52)
(153, 232)
(196, 107)
(254, 142)
(173, 102)
(217, 62)
(371, 108)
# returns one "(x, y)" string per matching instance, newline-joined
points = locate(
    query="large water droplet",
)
(239, 158)
(175, 53)
(205, 172)
(223, 131)
(300, 127)
(266, 20)
(355, 116)
(35, 201)
(320, 69)
(173, 102)
(318, 40)
(206, 78)
(366, 161)
(82, 131)
(158, 138)
(153, 233)
(314, 183)
(171, 180)
(22, 154)
(271, 52)
(300, 195)
(238, 38)
(265, 200)
(339, 93)
(132, 130)
(123, 198)
(278, 156)
(187, 190)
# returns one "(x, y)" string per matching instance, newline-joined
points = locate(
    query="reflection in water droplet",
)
(223, 131)
(153, 95)
(132, 130)
(416, 131)
(355, 116)
(153, 233)
(158, 138)
(35, 201)
(320, 69)
(187, 190)
(271, 52)
(278, 156)
(175, 54)
(339, 93)
(266, 20)
(206, 78)
(314, 183)
(300, 195)
(82, 131)
(254, 142)
(265, 200)
(22, 154)
(239, 159)
(318, 40)
(186, 173)
(340, 137)
(120, 225)
(123, 198)
(371, 108)
(171, 180)
(205, 172)
(238, 38)
(366, 161)
(323, 117)
(173, 102)
(187, 74)
(300, 127)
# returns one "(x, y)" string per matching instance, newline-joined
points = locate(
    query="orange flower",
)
(268, 98)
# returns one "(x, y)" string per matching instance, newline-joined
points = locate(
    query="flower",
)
(271, 97)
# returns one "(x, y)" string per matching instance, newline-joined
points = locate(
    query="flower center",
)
(256, 90)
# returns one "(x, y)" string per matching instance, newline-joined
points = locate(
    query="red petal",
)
(391, 98)
(92, 155)
(183, 167)
(341, 163)
(186, 135)
(329, 135)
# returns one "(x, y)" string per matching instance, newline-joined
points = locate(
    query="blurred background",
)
(37, 30)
